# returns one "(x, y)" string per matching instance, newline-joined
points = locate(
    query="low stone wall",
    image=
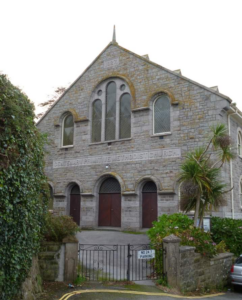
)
(51, 261)
(188, 271)
(59, 261)
(197, 271)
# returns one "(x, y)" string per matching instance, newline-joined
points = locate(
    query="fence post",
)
(128, 271)
(171, 259)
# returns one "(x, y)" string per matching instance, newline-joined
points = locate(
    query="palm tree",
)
(201, 187)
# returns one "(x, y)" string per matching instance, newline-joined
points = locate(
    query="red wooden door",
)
(110, 210)
(149, 209)
(75, 207)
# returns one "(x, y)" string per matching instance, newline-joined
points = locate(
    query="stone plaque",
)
(111, 63)
(117, 158)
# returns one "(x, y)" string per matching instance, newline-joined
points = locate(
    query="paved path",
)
(111, 237)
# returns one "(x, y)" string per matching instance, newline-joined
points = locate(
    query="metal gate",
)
(117, 262)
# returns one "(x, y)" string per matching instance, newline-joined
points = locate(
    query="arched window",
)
(96, 120)
(239, 143)
(125, 116)
(110, 118)
(67, 131)
(114, 122)
(161, 114)
(110, 186)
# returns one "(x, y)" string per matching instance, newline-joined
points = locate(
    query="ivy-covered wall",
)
(23, 193)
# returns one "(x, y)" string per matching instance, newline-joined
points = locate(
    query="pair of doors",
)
(110, 204)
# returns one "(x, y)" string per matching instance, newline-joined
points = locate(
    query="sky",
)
(46, 44)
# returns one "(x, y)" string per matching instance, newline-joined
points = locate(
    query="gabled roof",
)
(114, 43)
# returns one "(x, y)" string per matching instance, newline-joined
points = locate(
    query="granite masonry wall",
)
(194, 109)
(198, 272)
(189, 271)
(58, 261)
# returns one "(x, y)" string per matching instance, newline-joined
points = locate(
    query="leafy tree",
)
(23, 188)
(201, 187)
(47, 104)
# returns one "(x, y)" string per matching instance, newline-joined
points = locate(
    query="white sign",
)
(146, 254)
(117, 158)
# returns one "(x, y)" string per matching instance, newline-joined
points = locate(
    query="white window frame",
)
(62, 131)
(153, 122)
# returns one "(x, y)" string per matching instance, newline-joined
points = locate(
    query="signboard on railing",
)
(146, 254)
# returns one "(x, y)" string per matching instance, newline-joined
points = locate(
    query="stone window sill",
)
(67, 147)
(112, 141)
(161, 134)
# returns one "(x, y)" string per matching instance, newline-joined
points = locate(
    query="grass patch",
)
(133, 232)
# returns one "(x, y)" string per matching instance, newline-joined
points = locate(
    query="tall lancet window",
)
(67, 131)
(96, 120)
(110, 120)
(161, 114)
(125, 116)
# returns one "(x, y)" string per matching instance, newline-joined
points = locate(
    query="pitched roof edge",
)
(142, 58)
(52, 106)
(174, 73)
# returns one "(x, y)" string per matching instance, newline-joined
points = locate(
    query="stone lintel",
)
(87, 195)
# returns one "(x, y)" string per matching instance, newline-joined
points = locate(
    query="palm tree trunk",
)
(197, 209)
(201, 216)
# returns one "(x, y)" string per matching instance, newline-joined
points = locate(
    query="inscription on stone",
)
(111, 63)
(116, 158)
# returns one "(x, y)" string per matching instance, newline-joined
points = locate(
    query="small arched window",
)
(68, 131)
(239, 143)
(125, 116)
(96, 120)
(161, 114)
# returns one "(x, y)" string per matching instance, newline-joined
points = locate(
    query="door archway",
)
(149, 204)
(75, 204)
(110, 203)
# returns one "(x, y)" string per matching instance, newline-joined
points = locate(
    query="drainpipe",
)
(231, 168)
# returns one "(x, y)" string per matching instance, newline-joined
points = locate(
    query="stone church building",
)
(118, 135)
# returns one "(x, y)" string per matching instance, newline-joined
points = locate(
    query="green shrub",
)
(229, 231)
(23, 188)
(181, 226)
(59, 227)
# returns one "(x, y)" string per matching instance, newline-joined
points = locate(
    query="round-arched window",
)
(68, 131)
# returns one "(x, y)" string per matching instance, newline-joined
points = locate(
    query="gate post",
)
(128, 270)
(71, 259)
(171, 259)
